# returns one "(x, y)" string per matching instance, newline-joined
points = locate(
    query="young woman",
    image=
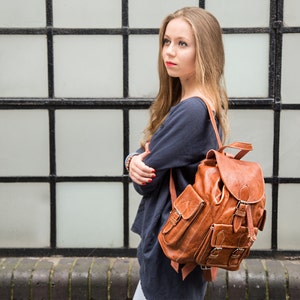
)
(178, 135)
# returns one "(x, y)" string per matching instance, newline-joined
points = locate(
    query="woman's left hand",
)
(139, 172)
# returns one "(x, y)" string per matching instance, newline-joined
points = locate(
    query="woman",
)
(177, 137)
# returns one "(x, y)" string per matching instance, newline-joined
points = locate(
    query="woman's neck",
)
(189, 88)
(190, 91)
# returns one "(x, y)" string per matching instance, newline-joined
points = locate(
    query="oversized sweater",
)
(179, 144)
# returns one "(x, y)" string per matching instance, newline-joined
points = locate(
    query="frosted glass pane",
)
(291, 13)
(24, 136)
(91, 14)
(88, 66)
(89, 142)
(143, 74)
(255, 127)
(89, 215)
(149, 14)
(20, 13)
(134, 201)
(288, 217)
(289, 155)
(247, 64)
(240, 13)
(263, 241)
(24, 215)
(23, 60)
(138, 120)
(290, 89)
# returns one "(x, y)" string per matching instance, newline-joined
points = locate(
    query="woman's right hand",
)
(139, 172)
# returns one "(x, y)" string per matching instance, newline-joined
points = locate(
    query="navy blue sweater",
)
(180, 143)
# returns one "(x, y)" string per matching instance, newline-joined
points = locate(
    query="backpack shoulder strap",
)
(212, 119)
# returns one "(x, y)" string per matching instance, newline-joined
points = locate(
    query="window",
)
(73, 103)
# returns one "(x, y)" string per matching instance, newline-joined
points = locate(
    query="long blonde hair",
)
(210, 60)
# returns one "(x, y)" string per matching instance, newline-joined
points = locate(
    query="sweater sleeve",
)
(180, 141)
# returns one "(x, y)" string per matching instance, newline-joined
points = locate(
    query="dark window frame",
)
(52, 104)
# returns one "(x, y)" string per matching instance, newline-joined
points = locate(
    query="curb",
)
(93, 278)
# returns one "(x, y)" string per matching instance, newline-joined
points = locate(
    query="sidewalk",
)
(80, 278)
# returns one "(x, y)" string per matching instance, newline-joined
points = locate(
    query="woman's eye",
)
(182, 44)
(166, 41)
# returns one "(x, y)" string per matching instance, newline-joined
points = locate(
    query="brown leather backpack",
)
(214, 222)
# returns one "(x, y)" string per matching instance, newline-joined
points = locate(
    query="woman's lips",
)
(170, 64)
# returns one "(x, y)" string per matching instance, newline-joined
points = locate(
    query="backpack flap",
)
(243, 179)
(185, 208)
(245, 182)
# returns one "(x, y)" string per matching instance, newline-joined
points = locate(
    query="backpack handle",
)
(242, 146)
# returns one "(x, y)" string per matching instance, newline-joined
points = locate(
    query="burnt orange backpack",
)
(214, 222)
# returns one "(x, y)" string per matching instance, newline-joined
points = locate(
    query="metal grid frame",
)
(52, 104)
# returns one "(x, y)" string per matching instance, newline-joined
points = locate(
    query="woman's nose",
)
(171, 49)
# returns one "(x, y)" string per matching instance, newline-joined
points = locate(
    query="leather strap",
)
(252, 235)
(212, 119)
(172, 188)
(243, 147)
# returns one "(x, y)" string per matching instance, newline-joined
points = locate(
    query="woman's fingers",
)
(139, 172)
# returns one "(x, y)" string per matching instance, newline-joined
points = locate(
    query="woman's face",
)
(179, 49)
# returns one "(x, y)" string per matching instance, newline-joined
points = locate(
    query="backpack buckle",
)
(176, 216)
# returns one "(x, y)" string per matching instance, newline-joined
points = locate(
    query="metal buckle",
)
(239, 213)
(179, 216)
(242, 202)
(215, 252)
(237, 252)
